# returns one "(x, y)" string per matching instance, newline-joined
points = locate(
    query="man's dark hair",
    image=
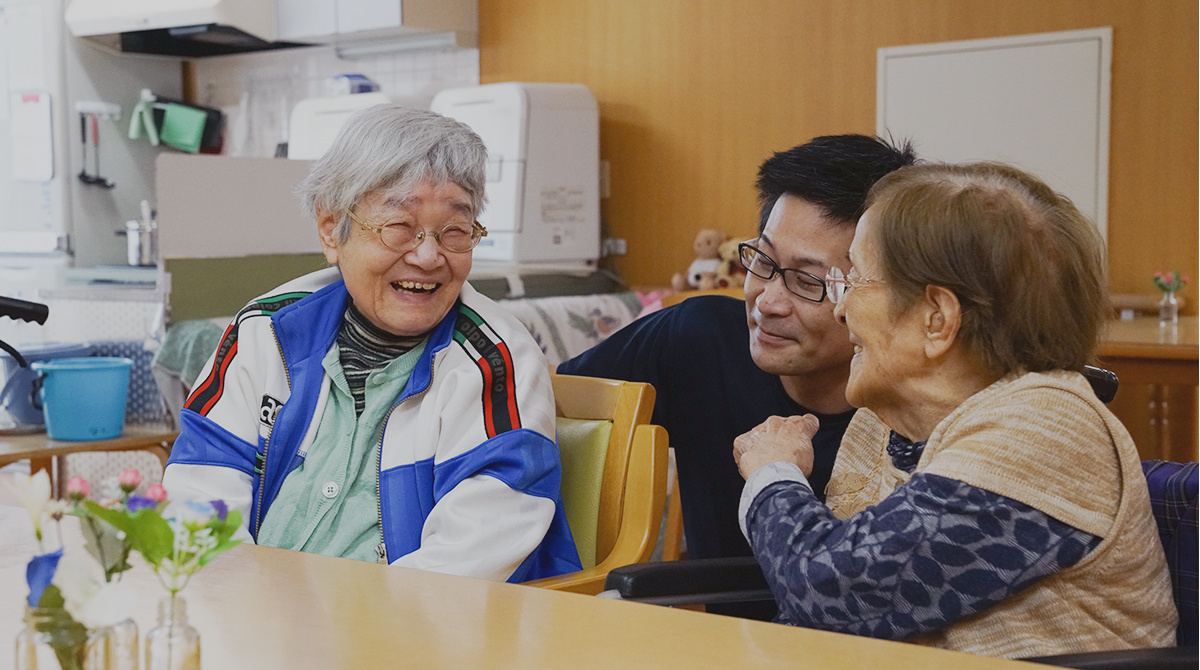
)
(833, 172)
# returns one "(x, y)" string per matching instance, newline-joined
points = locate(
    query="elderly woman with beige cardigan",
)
(983, 498)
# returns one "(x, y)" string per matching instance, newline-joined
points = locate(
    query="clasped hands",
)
(777, 439)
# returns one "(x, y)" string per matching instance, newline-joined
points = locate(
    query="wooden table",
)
(1157, 366)
(41, 450)
(263, 608)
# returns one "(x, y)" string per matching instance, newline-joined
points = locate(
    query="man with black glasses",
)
(722, 367)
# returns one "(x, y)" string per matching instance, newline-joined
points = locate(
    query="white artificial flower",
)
(203, 540)
(194, 514)
(57, 508)
(111, 488)
(89, 599)
(34, 493)
(197, 513)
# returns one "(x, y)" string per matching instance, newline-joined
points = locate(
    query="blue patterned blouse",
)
(933, 552)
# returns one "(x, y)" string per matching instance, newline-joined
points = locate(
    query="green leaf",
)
(151, 535)
(581, 323)
(223, 545)
(118, 518)
(225, 529)
(146, 531)
(52, 598)
(102, 540)
(65, 635)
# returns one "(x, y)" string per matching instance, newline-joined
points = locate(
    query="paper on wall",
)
(4, 42)
(25, 45)
(32, 136)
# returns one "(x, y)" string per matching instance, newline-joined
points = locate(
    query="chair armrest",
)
(1168, 658)
(694, 581)
(641, 515)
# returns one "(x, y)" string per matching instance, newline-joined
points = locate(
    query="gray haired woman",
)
(381, 409)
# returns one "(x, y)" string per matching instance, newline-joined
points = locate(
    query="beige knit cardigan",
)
(1046, 440)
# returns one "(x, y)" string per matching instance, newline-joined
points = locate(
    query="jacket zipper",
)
(381, 549)
(262, 481)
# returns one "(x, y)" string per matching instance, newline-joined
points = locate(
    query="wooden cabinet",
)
(1157, 366)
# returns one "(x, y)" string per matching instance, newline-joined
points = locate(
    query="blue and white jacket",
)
(468, 470)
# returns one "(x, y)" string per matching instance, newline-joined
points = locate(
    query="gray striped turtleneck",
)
(364, 348)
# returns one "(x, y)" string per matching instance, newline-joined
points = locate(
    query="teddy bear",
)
(730, 272)
(702, 273)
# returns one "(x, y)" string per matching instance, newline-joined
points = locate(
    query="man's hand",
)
(777, 439)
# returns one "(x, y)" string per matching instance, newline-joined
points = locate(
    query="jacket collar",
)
(308, 327)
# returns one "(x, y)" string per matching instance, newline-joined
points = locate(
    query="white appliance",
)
(315, 122)
(543, 178)
(188, 28)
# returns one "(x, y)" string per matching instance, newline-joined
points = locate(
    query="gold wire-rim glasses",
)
(838, 285)
(478, 232)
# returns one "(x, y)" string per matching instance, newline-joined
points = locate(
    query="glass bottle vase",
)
(112, 647)
(51, 640)
(173, 644)
(1168, 309)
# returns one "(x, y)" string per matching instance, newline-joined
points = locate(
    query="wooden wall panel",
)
(694, 95)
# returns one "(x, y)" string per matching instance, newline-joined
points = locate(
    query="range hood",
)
(182, 28)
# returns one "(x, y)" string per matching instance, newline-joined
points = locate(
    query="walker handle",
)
(23, 310)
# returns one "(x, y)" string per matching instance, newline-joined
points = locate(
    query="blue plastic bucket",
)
(84, 398)
(15, 396)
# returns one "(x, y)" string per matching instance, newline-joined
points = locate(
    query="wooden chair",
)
(614, 476)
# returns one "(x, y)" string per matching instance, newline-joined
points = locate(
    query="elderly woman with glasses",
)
(983, 498)
(381, 409)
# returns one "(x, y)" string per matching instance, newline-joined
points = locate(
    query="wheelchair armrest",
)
(694, 581)
(1168, 658)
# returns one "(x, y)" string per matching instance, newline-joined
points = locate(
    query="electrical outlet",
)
(605, 181)
(612, 246)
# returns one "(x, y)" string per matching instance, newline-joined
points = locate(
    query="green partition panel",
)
(203, 288)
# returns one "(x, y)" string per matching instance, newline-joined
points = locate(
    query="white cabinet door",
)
(356, 15)
(301, 19)
(1038, 101)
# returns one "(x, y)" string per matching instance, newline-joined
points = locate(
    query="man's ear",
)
(327, 222)
(943, 317)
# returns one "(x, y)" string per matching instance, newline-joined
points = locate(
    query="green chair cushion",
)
(583, 447)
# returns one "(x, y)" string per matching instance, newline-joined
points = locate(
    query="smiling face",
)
(796, 339)
(405, 293)
(888, 348)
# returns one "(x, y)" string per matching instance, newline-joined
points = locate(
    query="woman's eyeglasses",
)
(457, 237)
(839, 284)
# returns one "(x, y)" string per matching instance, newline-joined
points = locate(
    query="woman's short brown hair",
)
(1028, 268)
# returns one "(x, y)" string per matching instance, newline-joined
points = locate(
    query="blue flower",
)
(39, 573)
(136, 503)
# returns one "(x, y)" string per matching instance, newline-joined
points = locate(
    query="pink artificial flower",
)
(78, 488)
(157, 493)
(129, 479)
(1157, 275)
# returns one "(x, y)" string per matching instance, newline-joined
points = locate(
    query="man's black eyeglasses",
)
(799, 282)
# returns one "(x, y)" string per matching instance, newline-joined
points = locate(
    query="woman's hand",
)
(777, 439)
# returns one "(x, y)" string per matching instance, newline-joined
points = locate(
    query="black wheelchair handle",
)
(24, 310)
